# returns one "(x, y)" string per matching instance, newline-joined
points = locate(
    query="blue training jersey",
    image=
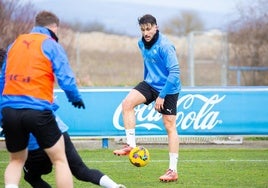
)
(161, 66)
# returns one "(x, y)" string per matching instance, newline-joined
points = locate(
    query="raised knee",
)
(126, 105)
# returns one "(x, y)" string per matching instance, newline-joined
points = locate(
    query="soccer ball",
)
(139, 156)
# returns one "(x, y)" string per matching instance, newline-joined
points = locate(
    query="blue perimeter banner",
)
(200, 111)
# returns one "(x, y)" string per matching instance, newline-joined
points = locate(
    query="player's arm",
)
(63, 72)
(172, 65)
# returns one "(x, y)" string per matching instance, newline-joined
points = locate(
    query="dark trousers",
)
(38, 164)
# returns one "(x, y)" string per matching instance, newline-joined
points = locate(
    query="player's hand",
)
(159, 104)
(79, 104)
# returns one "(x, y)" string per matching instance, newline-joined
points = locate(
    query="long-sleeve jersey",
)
(60, 67)
(161, 66)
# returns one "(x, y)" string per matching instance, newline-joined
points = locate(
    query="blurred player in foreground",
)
(38, 164)
(33, 63)
(161, 85)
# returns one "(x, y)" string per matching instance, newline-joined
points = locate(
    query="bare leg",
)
(173, 145)
(14, 168)
(57, 156)
(133, 99)
(173, 139)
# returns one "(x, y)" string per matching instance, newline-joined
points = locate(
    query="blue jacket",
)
(62, 71)
(161, 66)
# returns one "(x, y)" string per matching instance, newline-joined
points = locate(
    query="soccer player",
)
(38, 164)
(27, 81)
(161, 84)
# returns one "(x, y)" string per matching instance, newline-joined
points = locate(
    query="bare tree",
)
(184, 23)
(248, 35)
(15, 18)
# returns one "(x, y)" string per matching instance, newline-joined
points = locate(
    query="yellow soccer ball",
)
(139, 156)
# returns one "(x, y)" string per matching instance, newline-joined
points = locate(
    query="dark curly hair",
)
(147, 18)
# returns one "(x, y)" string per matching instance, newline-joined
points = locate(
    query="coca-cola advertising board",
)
(200, 111)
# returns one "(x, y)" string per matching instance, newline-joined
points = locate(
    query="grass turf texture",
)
(197, 168)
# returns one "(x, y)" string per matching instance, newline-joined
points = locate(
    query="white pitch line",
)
(159, 161)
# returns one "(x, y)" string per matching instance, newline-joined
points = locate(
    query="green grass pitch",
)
(197, 168)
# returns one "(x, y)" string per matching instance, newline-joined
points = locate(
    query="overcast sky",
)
(209, 5)
(121, 15)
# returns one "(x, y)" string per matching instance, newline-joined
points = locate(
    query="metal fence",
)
(209, 56)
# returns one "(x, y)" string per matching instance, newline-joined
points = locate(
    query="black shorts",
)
(150, 94)
(18, 123)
